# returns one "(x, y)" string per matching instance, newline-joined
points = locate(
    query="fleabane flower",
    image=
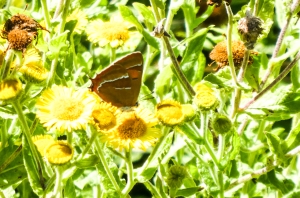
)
(81, 19)
(114, 32)
(135, 129)
(10, 89)
(59, 152)
(32, 67)
(64, 109)
(172, 113)
(105, 116)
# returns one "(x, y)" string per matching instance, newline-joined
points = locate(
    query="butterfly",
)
(120, 83)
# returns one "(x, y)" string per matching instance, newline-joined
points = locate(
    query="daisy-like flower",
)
(81, 19)
(64, 109)
(59, 152)
(105, 116)
(114, 32)
(42, 142)
(172, 113)
(135, 129)
(10, 89)
(32, 68)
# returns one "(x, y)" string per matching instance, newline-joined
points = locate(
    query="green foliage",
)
(256, 157)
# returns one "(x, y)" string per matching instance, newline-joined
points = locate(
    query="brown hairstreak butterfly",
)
(120, 82)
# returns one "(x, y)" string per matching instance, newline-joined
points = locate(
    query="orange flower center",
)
(132, 128)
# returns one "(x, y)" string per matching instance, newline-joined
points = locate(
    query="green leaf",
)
(153, 160)
(162, 81)
(190, 12)
(150, 39)
(69, 190)
(222, 78)
(275, 145)
(284, 185)
(129, 16)
(293, 139)
(160, 4)
(295, 76)
(57, 44)
(15, 172)
(187, 191)
(190, 133)
(145, 12)
(32, 172)
(88, 161)
(281, 104)
(235, 146)
(190, 61)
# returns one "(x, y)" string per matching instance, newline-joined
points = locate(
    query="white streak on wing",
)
(124, 76)
(137, 65)
(124, 88)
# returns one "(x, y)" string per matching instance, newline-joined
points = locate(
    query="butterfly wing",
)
(120, 82)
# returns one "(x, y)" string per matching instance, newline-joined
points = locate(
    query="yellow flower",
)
(10, 89)
(172, 113)
(114, 32)
(81, 19)
(42, 142)
(104, 115)
(64, 109)
(135, 129)
(59, 152)
(32, 68)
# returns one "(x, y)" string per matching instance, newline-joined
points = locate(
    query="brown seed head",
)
(219, 54)
(19, 39)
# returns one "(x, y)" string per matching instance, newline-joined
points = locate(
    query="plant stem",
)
(229, 42)
(276, 80)
(130, 181)
(105, 165)
(221, 146)
(26, 132)
(203, 133)
(279, 42)
(88, 146)
(6, 64)
(46, 14)
(177, 70)
(244, 66)
(57, 191)
(221, 184)
(112, 54)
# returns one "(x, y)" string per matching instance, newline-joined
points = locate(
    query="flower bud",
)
(10, 89)
(176, 175)
(205, 100)
(221, 124)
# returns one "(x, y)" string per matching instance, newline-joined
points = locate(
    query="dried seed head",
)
(19, 39)
(219, 54)
(20, 30)
(249, 29)
(23, 22)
